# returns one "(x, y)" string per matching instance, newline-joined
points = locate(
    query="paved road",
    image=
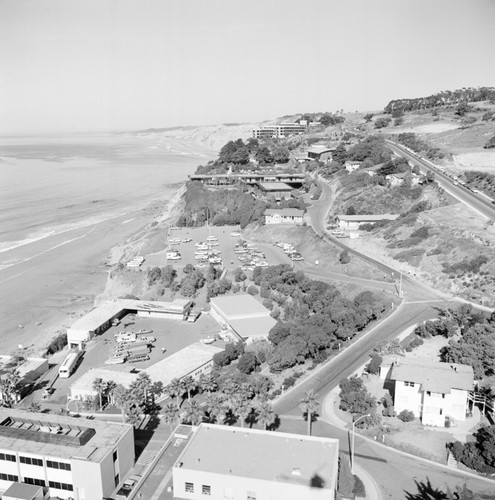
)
(479, 203)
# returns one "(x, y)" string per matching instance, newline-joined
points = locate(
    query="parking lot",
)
(224, 247)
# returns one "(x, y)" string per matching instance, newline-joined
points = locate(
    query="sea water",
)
(52, 185)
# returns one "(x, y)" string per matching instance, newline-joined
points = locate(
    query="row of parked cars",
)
(249, 255)
(290, 251)
(131, 347)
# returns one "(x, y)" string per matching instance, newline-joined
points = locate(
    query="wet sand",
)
(59, 281)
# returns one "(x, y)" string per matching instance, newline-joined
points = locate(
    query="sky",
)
(96, 65)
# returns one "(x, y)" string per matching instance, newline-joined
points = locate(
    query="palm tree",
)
(189, 385)
(309, 405)
(176, 390)
(207, 383)
(170, 414)
(34, 407)
(265, 415)
(216, 407)
(120, 398)
(156, 390)
(143, 384)
(193, 412)
(111, 385)
(243, 410)
(99, 385)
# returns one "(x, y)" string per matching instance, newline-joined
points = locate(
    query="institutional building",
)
(435, 392)
(100, 319)
(243, 314)
(284, 216)
(319, 152)
(222, 462)
(280, 130)
(70, 457)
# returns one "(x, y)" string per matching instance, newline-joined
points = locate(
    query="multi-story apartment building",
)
(280, 130)
(69, 457)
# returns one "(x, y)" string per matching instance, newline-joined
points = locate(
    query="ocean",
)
(52, 185)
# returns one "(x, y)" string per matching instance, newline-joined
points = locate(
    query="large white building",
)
(242, 313)
(72, 458)
(280, 130)
(100, 319)
(433, 391)
(222, 462)
(354, 221)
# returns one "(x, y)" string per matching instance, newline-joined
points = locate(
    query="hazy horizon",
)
(125, 65)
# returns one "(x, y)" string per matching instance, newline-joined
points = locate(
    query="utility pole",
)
(353, 439)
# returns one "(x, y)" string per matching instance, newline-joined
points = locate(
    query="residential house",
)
(284, 216)
(351, 166)
(435, 392)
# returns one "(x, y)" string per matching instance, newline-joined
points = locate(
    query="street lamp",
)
(354, 438)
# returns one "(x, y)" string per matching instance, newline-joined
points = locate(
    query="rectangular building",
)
(280, 190)
(280, 130)
(222, 462)
(433, 391)
(354, 221)
(100, 319)
(72, 458)
(284, 216)
(247, 317)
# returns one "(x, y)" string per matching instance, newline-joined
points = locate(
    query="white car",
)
(235, 235)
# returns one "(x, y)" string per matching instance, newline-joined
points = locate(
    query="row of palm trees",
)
(233, 400)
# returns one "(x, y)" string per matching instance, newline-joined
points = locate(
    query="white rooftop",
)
(263, 455)
(239, 306)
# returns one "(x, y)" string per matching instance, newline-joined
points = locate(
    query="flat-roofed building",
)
(247, 317)
(354, 221)
(72, 458)
(23, 491)
(194, 360)
(248, 464)
(280, 130)
(284, 216)
(280, 190)
(435, 392)
(319, 152)
(100, 319)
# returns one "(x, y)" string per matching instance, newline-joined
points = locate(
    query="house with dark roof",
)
(435, 392)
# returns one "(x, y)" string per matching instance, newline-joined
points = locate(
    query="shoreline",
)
(67, 274)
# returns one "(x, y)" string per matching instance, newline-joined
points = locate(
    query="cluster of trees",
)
(446, 97)
(264, 152)
(221, 207)
(479, 454)
(355, 398)
(315, 316)
(372, 149)
(138, 399)
(325, 119)
(411, 141)
(9, 387)
(382, 122)
(57, 344)
(225, 399)
(231, 352)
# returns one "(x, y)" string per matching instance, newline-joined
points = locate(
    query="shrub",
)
(252, 290)
(345, 257)
(406, 416)
(57, 344)
(359, 490)
(373, 367)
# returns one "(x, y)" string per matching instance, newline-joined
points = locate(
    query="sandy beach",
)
(61, 276)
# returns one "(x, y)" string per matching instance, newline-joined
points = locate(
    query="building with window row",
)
(68, 457)
(280, 130)
(222, 462)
